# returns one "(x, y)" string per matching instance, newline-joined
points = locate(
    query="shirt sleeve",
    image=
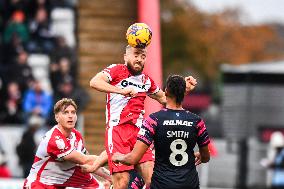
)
(202, 134)
(111, 71)
(81, 145)
(58, 147)
(147, 131)
(154, 88)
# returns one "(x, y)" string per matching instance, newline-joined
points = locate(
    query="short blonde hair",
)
(62, 105)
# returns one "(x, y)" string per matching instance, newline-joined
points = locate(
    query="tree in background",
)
(193, 40)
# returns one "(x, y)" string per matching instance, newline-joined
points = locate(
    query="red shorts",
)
(38, 185)
(122, 138)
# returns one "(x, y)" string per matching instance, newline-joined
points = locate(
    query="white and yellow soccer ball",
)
(139, 35)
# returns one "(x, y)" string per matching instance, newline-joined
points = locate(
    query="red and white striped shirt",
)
(49, 167)
(121, 109)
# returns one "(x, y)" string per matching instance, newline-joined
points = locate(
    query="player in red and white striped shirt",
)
(59, 153)
(127, 86)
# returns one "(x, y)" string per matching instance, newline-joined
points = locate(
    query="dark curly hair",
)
(176, 87)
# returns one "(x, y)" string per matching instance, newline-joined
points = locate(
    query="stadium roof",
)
(263, 67)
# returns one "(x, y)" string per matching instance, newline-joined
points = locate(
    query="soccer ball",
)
(139, 35)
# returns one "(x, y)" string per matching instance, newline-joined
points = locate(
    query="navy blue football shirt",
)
(174, 134)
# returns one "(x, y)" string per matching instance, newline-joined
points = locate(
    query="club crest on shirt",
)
(143, 79)
(60, 144)
(110, 147)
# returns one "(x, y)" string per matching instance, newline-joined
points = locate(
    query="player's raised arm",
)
(160, 97)
(100, 82)
(190, 83)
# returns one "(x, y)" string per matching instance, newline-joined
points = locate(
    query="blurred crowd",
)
(28, 28)
(38, 66)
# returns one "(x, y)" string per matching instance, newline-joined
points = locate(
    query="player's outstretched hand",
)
(116, 157)
(190, 83)
(87, 168)
(197, 158)
(129, 92)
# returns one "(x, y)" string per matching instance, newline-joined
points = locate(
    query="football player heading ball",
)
(139, 35)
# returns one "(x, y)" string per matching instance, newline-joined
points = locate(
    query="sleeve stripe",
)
(201, 131)
(154, 92)
(65, 154)
(84, 151)
(200, 124)
(144, 140)
(205, 142)
(149, 123)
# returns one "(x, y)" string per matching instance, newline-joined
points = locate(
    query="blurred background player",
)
(275, 161)
(59, 153)
(127, 86)
(174, 132)
(26, 149)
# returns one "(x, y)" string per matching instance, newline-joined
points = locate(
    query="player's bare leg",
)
(120, 180)
(146, 171)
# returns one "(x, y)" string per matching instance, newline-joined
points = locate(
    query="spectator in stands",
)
(11, 109)
(1, 86)
(2, 7)
(21, 72)
(11, 6)
(1, 46)
(60, 72)
(27, 147)
(16, 26)
(34, 5)
(62, 50)
(11, 50)
(63, 3)
(67, 89)
(2, 10)
(4, 170)
(37, 101)
(41, 37)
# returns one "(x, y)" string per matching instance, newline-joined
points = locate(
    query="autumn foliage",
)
(193, 40)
